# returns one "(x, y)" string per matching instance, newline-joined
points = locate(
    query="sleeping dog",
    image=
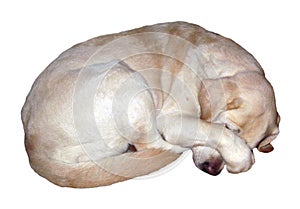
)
(124, 105)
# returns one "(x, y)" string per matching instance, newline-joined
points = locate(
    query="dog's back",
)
(50, 134)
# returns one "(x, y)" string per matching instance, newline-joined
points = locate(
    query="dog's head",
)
(245, 104)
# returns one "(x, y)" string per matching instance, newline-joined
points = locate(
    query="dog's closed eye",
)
(233, 128)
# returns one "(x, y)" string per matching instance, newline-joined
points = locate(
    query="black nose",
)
(213, 167)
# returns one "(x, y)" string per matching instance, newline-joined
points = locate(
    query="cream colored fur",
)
(162, 89)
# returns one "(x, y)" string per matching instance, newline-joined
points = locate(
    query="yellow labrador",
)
(125, 105)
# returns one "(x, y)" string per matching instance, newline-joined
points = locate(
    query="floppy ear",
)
(216, 96)
(266, 148)
(278, 119)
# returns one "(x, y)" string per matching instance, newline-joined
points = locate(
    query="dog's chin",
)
(208, 160)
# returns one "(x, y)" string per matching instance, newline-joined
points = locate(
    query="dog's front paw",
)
(237, 155)
(240, 162)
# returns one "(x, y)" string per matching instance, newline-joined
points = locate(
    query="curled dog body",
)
(124, 105)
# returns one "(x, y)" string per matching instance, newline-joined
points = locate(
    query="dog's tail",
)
(108, 171)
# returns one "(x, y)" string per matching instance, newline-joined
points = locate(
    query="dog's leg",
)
(125, 111)
(188, 131)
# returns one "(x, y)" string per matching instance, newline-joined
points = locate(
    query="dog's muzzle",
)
(208, 160)
(212, 167)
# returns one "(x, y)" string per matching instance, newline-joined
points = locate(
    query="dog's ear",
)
(266, 148)
(217, 95)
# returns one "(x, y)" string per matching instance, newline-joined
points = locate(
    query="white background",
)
(34, 33)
